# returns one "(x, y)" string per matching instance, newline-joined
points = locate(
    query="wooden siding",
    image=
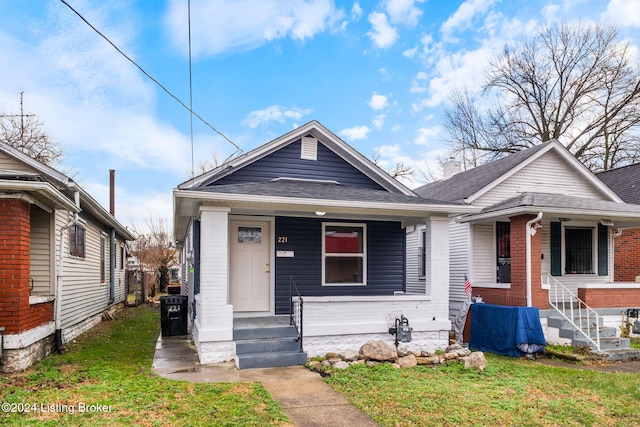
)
(385, 260)
(547, 174)
(415, 283)
(83, 295)
(484, 254)
(286, 162)
(41, 271)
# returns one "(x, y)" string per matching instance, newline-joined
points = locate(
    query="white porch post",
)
(213, 326)
(437, 248)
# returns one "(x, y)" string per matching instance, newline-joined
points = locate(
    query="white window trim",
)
(363, 255)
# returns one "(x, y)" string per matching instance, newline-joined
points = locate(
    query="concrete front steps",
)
(267, 346)
(617, 348)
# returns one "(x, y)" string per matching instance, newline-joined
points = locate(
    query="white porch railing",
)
(583, 318)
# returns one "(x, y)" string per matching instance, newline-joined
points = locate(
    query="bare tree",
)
(399, 169)
(576, 84)
(155, 252)
(25, 132)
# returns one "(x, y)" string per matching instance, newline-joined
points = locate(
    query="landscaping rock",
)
(453, 347)
(341, 365)
(428, 360)
(379, 350)
(407, 361)
(475, 360)
(350, 355)
(332, 355)
(372, 363)
(334, 360)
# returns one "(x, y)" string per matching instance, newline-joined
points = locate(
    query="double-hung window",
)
(344, 254)
(77, 240)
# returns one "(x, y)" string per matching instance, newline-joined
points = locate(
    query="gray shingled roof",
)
(561, 202)
(318, 190)
(464, 184)
(624, 181)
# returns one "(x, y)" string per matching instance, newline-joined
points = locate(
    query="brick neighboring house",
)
(545, 230)
(62, 260)
(625, 181)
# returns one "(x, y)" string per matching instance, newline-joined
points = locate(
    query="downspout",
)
(60, 278)
(112, 266)
(112, 239)
(530, 230)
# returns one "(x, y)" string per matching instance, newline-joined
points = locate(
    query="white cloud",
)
(425, 165)
(426, 135)
(623, 12)
(355, 133)
(382, 34)
(218, 27)
(463, 16)
(378, 121)
(419, 84)
(378, 102)
(404, 12)
(275, 113)
(356, 12)
(410, 53)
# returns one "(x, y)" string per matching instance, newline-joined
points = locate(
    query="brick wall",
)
(627, 256)
(16, 315)
(610, 297)
(517, 294)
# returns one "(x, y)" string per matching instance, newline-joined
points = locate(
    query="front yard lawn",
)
(510, 392)
(105, 379)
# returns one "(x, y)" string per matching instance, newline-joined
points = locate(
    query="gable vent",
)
(309, 148)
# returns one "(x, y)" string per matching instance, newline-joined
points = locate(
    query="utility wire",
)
(190, 89)
(153, 79)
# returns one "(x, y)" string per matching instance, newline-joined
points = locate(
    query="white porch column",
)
(437, 248)
(213, 326)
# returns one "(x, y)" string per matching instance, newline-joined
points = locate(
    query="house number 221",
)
(283, 239)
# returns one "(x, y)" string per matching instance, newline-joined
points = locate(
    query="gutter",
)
(530, 230)
(60, 278)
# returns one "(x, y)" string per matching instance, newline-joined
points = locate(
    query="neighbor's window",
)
(503, 252)
(77, 240)
(343, 252)
(578, 243)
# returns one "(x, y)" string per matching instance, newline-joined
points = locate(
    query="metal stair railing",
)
(296, 309)
(571, 308)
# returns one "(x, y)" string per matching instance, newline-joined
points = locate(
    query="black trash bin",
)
(173, 315)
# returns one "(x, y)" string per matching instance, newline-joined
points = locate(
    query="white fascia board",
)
(406, 209)
(521, 210)
(44, 189)
(361, 163)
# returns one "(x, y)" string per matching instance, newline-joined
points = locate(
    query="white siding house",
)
(73, 270)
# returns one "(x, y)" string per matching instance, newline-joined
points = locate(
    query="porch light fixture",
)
(561, 219)
(320, 213)
(606, 222)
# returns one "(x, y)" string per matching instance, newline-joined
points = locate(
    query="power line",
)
(167, 91)
(190, 88)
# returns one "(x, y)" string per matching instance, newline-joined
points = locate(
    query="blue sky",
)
(377, 73)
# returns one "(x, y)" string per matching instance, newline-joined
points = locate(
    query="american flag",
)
(467, 285)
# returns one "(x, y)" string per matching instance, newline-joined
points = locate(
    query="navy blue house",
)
(307, 218)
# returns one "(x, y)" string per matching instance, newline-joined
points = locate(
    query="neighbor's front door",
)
(250, 267)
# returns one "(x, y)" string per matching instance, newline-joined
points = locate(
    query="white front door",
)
(250, 266)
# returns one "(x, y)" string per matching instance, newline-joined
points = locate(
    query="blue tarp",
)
(512, 331)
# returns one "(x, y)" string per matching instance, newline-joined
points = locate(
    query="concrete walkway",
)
(304, 397)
